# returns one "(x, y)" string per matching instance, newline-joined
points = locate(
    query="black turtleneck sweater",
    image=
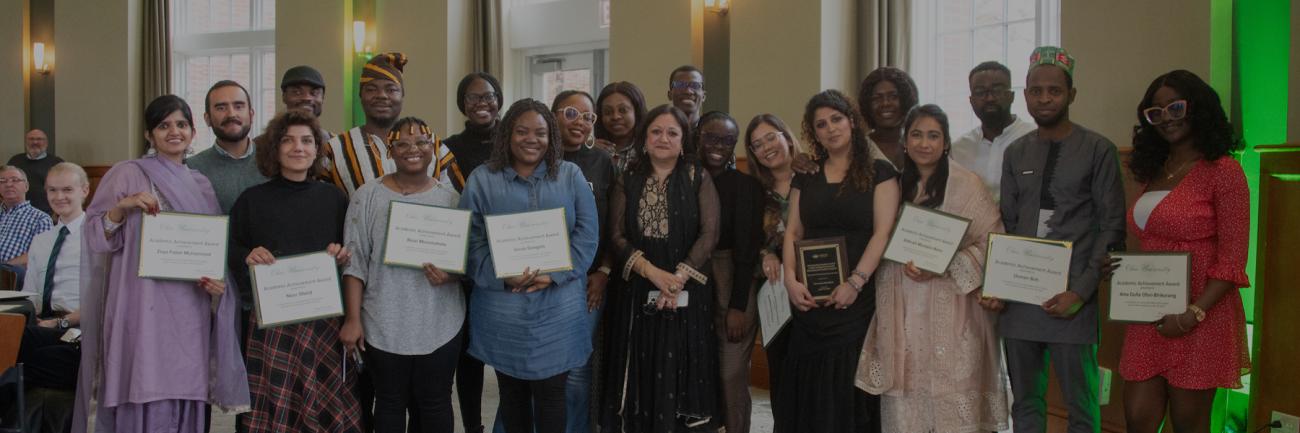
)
(472, 147)
(286, 218)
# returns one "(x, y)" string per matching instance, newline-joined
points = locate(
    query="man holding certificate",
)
(286, 241)
(1061, 183)
(533, 236)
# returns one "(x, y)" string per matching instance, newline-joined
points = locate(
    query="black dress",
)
(821, 351)
(661, 370)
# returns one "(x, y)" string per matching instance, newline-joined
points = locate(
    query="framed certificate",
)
(822, 265)
(926, 237)
(773, 310)
(183, 246)
(1025, 269)
(419, 234)
(1147, 286)
(296, 289)
(532, 240)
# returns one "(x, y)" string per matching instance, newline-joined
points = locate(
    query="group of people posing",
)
(671, 243)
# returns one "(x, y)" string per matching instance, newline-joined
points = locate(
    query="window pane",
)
(268, 14)
(990, 44)
(988, 11)
(954, 14)
(268, 71)
(954, 63)
(1021, 40)
(219, 16)
(240, 14)
(1022, 9)
(240, 69)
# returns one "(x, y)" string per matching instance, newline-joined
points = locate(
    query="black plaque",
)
(822, 265)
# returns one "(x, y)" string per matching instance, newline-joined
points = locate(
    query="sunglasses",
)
(571, 114)
(1158, 115)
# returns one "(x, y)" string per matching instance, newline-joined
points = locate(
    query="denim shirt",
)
(537, 335)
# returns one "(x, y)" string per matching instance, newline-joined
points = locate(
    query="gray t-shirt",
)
(401, 312)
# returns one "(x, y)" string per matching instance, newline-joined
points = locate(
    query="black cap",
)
(302, 74)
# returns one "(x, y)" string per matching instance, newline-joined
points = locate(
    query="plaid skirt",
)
(297, 381)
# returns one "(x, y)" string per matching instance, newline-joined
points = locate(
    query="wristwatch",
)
(64, 323)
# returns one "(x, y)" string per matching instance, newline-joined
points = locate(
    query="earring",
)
(591, 140)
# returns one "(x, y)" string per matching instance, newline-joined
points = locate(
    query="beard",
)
(1054, 120)
(238, 136)
(1000, 116)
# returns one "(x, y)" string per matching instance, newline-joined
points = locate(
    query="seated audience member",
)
(19, 222)
(36, 162)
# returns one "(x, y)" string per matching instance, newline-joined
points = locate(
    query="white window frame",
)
(256, 42)
(924, 62)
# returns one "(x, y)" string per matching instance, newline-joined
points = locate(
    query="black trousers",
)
(47, 361)
(469, 383)
(419, 382)
(533, 405)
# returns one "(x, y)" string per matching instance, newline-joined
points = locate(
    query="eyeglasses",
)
(724, 140)
(13, 180)
(1174, 111)
(683, 85)
(401, 146)
(768, 139)
(477, 98)
(571, 114)
(981, 92)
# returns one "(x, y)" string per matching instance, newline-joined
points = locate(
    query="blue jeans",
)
(577, 393)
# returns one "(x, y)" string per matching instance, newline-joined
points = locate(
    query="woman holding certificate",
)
(771, 148)
(1194, 199)
(404, 319)
(155, 352)
(528, 315)
(662, 359)
(931, 348)
(295, 371)
(852, 198)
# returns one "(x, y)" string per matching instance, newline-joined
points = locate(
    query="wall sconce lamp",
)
(359, 38)
(38, 58)
(717, 6)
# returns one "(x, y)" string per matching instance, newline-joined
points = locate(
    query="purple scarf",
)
(228, 379)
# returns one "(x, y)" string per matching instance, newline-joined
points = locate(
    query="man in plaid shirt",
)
(19, 222)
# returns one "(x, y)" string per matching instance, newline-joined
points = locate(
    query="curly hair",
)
(501, 156)
(938, 182)
(763, 173)
(1212, 134)
(629, 91)
(267, 157)
(907, 97)
(860, 170)
(642, 165)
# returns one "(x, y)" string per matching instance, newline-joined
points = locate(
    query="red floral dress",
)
(1207, 214)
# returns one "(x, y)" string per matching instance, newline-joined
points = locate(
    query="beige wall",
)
(433, 34)
(98, 120)
(1119, 51)
(318, 33)
(15, 65)
(648, 38)
(808, 62)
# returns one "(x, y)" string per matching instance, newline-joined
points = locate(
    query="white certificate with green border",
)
(296, 289)
(1025, 269)
(420, 233)
(533, 240)
(183, 246)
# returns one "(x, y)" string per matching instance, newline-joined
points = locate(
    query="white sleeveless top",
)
(1145, 204)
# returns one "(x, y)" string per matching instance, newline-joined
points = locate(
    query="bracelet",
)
(1178, 320)
(861, 274)
(857, 287)
(1200, 313)
(604, 270)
